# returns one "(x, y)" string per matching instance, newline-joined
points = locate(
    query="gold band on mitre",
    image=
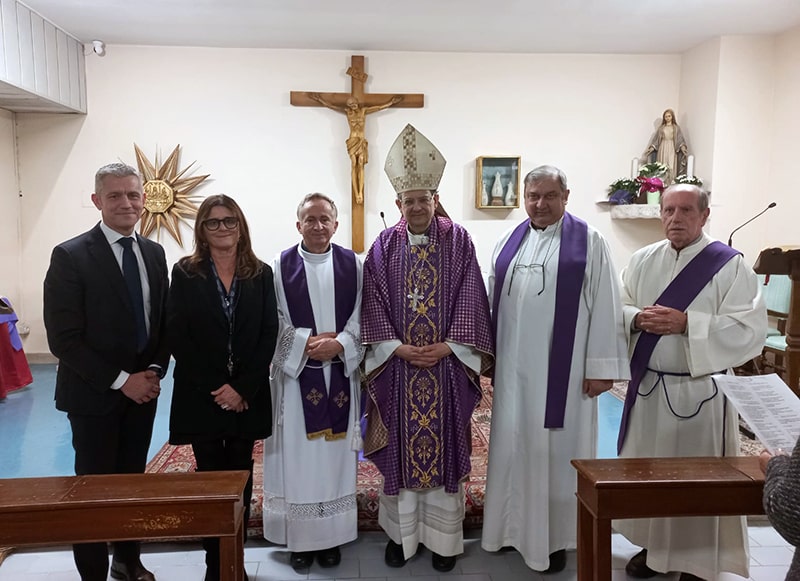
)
(413, 162)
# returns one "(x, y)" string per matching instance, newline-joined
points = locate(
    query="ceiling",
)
(509, 26)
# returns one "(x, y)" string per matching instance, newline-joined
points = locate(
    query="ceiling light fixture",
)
(99, 47)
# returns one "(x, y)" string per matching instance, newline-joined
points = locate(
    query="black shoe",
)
(130, 571)
(301, 561)
(637, 566)
(329, 557)
(443, 564)
(394, 556)
(689, 577)
(558, 560)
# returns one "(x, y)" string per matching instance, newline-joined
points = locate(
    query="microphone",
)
(730, 238)
(383, 217)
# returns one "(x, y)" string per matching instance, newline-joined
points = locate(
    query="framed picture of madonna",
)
(497, 182)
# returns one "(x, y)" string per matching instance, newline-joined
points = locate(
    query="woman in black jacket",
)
(221, 327)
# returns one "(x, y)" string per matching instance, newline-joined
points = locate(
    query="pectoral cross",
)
(356, 105)
(415, 297)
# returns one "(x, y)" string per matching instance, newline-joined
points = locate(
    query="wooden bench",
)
(657, 487)
(118, 507)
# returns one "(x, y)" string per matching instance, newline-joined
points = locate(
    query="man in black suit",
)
(104, 304)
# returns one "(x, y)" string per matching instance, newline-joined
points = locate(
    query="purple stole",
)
(326, 411)
(679, 294)
(571, 270)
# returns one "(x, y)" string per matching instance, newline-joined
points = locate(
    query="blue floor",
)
(36, 437)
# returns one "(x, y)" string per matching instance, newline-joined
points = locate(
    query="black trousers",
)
(224, 454)
(115, 443)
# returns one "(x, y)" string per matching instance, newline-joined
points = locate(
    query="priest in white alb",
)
(310, 459)
(558, 329)
(692, 309)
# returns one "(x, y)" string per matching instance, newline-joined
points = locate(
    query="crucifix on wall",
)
(356, 105)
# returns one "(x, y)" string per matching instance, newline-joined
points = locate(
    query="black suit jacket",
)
(90, 322)
(197, 331)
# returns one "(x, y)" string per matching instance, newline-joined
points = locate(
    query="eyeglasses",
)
(213, 224)
(527, 268)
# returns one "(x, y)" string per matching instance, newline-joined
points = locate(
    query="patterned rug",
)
(369, 481)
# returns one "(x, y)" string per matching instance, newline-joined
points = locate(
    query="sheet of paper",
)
(768, 406)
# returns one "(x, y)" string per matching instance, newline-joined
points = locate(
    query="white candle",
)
(690, 166)
(634, 167)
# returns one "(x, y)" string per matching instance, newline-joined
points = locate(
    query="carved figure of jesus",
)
(357, 146)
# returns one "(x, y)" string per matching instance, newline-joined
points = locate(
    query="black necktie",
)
(130, 270)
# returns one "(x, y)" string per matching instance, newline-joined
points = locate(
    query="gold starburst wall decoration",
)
(168, 197)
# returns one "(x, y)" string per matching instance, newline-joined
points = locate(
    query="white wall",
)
(9, 214)
(781, 181)
(698, 104)
(229, 109)
(743, 148)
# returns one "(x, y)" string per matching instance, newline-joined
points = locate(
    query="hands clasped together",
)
(660, 320)
(229, 399)
(323, 347)
(426, 356)
(142, 387)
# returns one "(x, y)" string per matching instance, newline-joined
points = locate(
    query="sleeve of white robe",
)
(290, 357)
(606, 349)
(350, 339)
(629, 306)
(290, 354)
(734, 333)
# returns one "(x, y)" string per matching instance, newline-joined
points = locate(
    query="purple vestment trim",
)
(11, 321)
(571, 271)
(679, 294)
(326, 411)
(424, 413)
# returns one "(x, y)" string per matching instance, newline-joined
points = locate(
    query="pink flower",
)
(650, 184)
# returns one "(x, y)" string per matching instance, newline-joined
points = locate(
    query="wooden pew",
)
(657, 487)
(118, 507)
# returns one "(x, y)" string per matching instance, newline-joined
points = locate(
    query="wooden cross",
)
(356, 105)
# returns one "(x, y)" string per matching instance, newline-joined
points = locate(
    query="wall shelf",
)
(636, 212)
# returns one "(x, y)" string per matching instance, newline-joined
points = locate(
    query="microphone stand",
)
(730, 238)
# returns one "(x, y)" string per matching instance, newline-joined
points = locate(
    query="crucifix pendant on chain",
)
(415, 298)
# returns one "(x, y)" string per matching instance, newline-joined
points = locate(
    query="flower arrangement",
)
(625, 190)
(693, 180)
(654, 169)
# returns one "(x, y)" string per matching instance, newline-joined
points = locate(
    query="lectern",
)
(786, 260)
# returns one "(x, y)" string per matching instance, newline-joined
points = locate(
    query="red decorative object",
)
(650, 185)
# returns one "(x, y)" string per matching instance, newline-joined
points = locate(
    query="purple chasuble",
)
(418, 420)
(571, 271)
(679, 294)
(326, 411)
